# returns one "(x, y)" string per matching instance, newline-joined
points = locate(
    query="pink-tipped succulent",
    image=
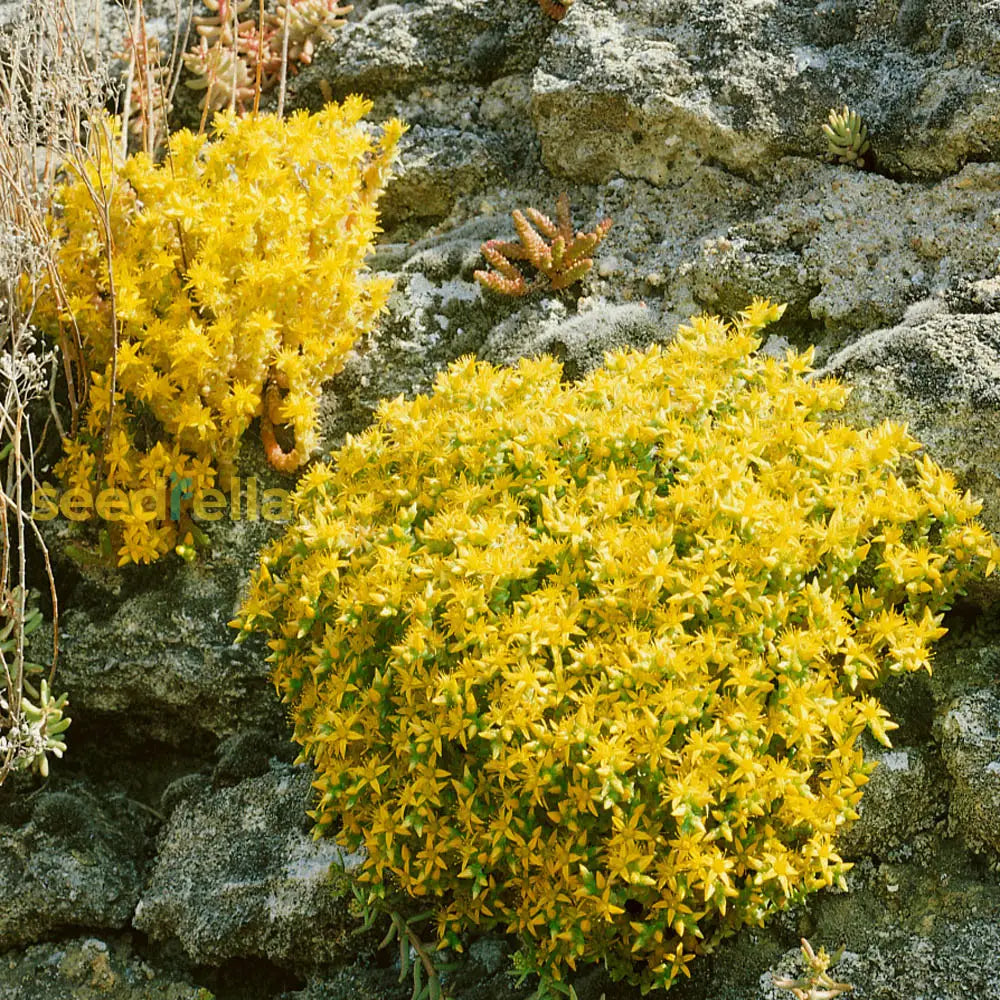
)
(309, 21)
(223, 61)
(560, 263)
(222, 74)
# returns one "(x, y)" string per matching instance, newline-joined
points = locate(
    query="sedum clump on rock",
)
(222, 285)
(588, 662)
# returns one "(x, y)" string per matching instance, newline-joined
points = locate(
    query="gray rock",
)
(248, 754)
(89, 969)
(616, 92)
(940, 374)
(654, 90)
(851, 251)
(907, 795)
(899, 966)
(237, 874)
(104, 15)
(399, 45)
(847, 251)
(354, 984)
(970, 744)
(428, 324)
(154, 645)
(909, 930)
(580, 342)
(68, 858)
(437, 167)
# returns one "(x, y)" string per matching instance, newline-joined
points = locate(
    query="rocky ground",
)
(169, 854)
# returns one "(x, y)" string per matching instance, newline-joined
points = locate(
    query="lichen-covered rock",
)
(970, 744)
(654, 90)
(354, 984)
(580, 342)
(943, 961)
(69, 857)
(614, 94)
(438, 166)
(237, 874)
(850, 251)
(156, 647)
(939, 373)
(88, 969)
(910, 930)
(906, 795)
(399, 45)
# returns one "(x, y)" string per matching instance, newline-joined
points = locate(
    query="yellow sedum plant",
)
(235, 289)
(589, 662)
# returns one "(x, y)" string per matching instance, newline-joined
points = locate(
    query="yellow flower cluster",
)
(589, 662)
(234, 288)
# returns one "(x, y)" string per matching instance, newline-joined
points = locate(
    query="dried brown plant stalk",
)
(151, 78)
(559, 263)
(148, 81)
(49, 89)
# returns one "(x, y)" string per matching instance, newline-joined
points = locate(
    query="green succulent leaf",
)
(846, 136)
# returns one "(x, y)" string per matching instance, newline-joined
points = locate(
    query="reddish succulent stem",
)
(277, 457)
(556, 9)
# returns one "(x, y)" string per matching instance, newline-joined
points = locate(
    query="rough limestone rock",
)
(906, 796)
(939, 373)
(728, 196)
(170, 666)
(653, 90)
(69, 857)
(850, 251)
(900, 965)
(238, 874)
(970, 745)
(92, 968)
(400, 45)
(580, 342)
(909, 930)
(439, 165)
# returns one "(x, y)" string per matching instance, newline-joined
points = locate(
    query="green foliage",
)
(221, 285)
(32, 621)
(816, 984)
(846, 136)
(32, 719)
(588, 662)
(47, 721)
(417, 958)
